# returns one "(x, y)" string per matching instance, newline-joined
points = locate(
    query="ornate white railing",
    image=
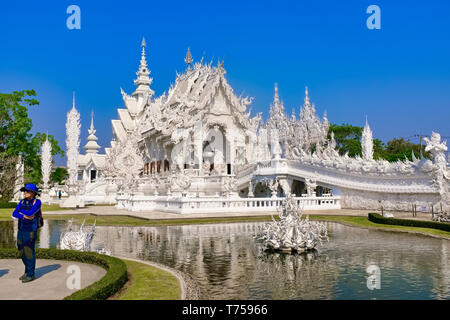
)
(186, 205)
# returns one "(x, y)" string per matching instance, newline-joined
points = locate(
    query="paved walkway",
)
(51, 279)
(111, 210)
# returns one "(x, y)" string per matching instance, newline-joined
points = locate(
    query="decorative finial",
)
(307, 96)
(92, 145)
(143, 64)
(188, 59)
(276, 97)
(92, 121)
(143, 80)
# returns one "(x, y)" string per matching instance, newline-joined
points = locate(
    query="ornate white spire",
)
(143, 80)
(278, 119)
(311, 130)
(72, 141)
(367, 142)
(332, 141)
(188, 59)
(46, 162)
(92, 145)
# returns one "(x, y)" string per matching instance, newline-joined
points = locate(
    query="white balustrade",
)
(213, 205)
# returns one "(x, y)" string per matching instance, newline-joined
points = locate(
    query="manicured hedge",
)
(7, 205)
(112, 281)
(375, 217)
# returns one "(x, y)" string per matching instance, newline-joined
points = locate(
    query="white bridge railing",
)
(186, 205)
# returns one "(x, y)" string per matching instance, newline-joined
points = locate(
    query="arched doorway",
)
(215, 149)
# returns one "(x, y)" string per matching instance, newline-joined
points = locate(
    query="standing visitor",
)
(28, 211)
(59, 194)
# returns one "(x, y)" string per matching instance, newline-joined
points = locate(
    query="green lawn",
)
(148, 283)
(5, 213)
(133, 221)
(365, 223)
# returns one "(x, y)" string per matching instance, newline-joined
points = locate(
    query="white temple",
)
(197, 148)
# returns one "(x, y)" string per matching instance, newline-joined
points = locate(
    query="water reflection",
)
(228, 264)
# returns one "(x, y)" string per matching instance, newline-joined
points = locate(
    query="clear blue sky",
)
(398, 76)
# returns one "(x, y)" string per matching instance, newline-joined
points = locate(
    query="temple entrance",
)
(93, 175)
(215, 150)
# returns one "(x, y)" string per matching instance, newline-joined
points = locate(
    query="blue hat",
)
(30, 187)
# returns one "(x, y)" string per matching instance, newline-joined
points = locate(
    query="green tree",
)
(348, 138)
(15, 125)
(59, 175)
(378, 149)
(399, 148)
(16, 139)
(33, 165)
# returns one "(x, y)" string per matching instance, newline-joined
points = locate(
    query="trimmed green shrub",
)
(7, 205)
(114, 279)
(376, 218)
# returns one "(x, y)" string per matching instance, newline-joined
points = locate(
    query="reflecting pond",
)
(228, 264)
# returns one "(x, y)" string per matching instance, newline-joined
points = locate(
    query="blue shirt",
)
(27, 208)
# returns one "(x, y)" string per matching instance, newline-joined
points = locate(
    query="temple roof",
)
(191, 96)
(99, 160)
(199, 90)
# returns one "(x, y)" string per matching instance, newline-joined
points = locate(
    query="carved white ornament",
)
(72, 142)
(46, 162)
(291, 232)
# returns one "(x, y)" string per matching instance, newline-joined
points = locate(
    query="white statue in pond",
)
(76, 240)
(291, 232)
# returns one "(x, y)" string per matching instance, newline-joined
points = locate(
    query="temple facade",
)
(197, 148)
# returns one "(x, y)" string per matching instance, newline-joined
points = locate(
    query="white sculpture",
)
(72, 144)
(46, 168)
(291, 232)
(441, 172)
(367, 143)
(125, 162)
(273, 186)
(19, 182)
(76, 240)
(230, 186)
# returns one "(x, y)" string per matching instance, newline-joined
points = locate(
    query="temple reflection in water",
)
(227, 263)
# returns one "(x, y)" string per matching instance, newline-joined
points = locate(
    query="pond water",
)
(227, 263)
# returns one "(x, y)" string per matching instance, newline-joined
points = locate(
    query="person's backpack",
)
(40, 222)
